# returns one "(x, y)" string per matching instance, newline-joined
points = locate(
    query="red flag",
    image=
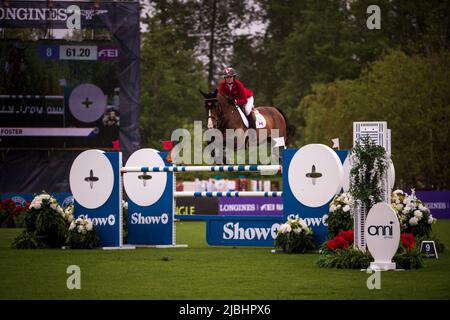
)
(115, 144)
(167, 145)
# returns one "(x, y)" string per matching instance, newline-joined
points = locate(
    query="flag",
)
(335, 143)
(116, 145)
(279, 142)
(167, 145)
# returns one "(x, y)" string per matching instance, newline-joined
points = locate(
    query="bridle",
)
(211, 103)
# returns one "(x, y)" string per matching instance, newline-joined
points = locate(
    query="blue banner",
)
(242, 231)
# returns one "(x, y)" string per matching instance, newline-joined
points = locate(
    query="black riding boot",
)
(251, 121)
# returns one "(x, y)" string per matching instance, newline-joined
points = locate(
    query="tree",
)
(411, 93)
(170, 79)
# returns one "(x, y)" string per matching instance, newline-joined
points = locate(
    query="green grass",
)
(204, 272)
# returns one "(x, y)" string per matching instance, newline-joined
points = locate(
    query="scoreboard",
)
(59, 95)
(78, 52)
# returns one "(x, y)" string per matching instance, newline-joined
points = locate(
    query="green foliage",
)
(295, 236)
(368, 168)
(170, 80)
(339, 216)
(349, 258)
(45, 227)
(410, 259)
(76, 240)
(411, 93)
(338, 222)
(295, 243)
(26, 240)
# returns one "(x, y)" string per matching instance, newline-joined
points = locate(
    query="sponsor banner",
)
(236, 206)
(62, 14)
(437, 201)
(189, 206)
(242, 231)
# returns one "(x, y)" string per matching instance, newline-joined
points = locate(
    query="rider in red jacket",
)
(235, 90)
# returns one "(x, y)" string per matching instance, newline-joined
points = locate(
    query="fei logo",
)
(103, 221)
(234, 231)
(138, 218)
(315, 222)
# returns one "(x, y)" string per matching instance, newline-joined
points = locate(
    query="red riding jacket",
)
(237, 92)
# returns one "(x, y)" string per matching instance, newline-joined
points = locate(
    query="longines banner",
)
(60, 14)
(251, 206)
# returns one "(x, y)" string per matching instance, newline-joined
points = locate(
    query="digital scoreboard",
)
(59, 95)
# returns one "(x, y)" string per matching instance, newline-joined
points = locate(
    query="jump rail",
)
(207, 194)
(240, 168)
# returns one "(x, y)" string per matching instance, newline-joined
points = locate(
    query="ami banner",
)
(251, 206)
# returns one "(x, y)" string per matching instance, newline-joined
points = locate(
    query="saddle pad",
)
(260, 120)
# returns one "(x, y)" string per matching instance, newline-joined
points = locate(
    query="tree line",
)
(318, 62)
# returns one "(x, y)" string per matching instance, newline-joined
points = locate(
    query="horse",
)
(223, 114)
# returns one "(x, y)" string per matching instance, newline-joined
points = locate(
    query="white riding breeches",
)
(248, 107)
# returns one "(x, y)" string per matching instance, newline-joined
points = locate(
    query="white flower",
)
(332, 208)
(398, 191)
(338, 206)
(124, 204)
(399, 206)
(297, 230)
(430, 219)
(407, 209)
(36, 204)
(78, 220)
(303, 224)
(285, 228)
(418, 214)
(413, 221)
(89, 225)
(70, 217)
(45, 196)
(80, 228)
(397, 201)
(346, 208)
(72, 225)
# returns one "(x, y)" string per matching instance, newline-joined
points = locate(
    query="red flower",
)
(18, 210)
(347, 235)
(408, 240)
(8, 204)
(337, 243)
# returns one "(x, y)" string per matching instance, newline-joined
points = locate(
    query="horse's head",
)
(213, 109)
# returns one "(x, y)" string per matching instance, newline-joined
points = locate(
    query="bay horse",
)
(223, 114)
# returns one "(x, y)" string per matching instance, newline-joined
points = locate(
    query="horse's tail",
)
(290, 129)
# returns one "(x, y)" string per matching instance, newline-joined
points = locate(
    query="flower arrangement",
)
(369, 165)
(295, 236)
(45, 224)
(82, 234)
(340, 216)
(408, 255)
(413, 215)
(48, 225)
(338, 252)
(11, 214)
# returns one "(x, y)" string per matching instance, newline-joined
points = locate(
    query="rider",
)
(242, 96)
